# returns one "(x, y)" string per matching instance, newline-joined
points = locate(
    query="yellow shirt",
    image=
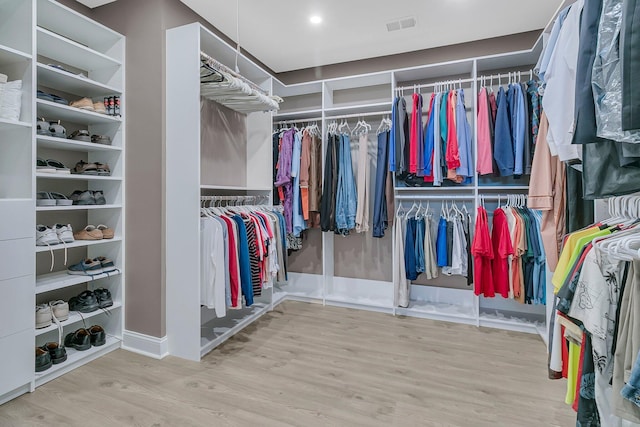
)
(569, 248)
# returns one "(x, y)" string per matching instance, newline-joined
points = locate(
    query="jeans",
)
(441, 243)
(410, 250)
(380, 214)
(419, 243)
(346, 192)
(631, 390)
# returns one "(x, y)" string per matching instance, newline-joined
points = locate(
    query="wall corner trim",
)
(146, 345)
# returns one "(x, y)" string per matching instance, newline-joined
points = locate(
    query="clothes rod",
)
(355, 116)
(504, 197)
(436, 197)
(507, 75)
(435, 84)
(212, 198)
(284, 122)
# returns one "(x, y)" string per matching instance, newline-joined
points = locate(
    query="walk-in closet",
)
(333, 213)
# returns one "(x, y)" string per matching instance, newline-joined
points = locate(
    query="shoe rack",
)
(88, 61)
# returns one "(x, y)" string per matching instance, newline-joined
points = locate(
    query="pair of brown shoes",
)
(91, 232)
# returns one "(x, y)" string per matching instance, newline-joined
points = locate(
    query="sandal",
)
(80, 135)
(103, 169)
(43, 167)
(60, 168)
(43, 198)
(101, 139)
(61, 199)
(84, 168)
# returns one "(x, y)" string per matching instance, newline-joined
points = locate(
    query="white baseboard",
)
(146, 345)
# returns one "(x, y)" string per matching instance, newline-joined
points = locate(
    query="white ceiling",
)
(278, 32)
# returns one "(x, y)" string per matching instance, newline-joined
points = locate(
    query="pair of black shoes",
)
(49, 354)
(89, 301)
(83, 339)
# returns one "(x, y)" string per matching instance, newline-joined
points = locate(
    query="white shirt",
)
(212, 266)
(559, 95)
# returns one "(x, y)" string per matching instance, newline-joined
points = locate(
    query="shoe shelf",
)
(55, 111)
(75, 208)
(73, 145)
(76, 359)
(12, 124)
(71, 24)
(69, 52)
(75, 317)
(79, 177)
(78, 244)
(61, 279)
(71, 83)
(9, 55)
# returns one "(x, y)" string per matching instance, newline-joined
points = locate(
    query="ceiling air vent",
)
(401, 24)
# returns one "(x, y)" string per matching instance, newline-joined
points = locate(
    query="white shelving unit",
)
(46, 31)
(371, 95)
(191, 333)
(94, 57)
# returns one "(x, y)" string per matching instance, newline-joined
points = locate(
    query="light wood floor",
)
(307, 365)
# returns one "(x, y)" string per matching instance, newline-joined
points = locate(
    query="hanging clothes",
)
(400, 282)
(363, 190)
(466, 169)
(482, 251)
(242, 252)
(382, 212)
(503, 152)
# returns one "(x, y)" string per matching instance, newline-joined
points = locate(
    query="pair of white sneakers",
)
(58, 233)
(55, 310)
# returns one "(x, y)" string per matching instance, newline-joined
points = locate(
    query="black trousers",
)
(630, 52)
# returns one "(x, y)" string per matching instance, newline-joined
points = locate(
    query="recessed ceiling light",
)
(315, 19)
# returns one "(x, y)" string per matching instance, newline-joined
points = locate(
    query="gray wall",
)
(144, 23)
(511, 43)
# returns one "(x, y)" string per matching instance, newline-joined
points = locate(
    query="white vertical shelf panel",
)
(183, 191)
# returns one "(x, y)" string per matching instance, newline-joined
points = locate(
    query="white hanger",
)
(414, 205)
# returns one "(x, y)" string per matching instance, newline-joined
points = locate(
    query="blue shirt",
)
(441, 243)
(464, 140)
(543, 61)
(392, 136)
(428, 139)
(518, 128)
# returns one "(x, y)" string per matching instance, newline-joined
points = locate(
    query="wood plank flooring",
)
(308, 365)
